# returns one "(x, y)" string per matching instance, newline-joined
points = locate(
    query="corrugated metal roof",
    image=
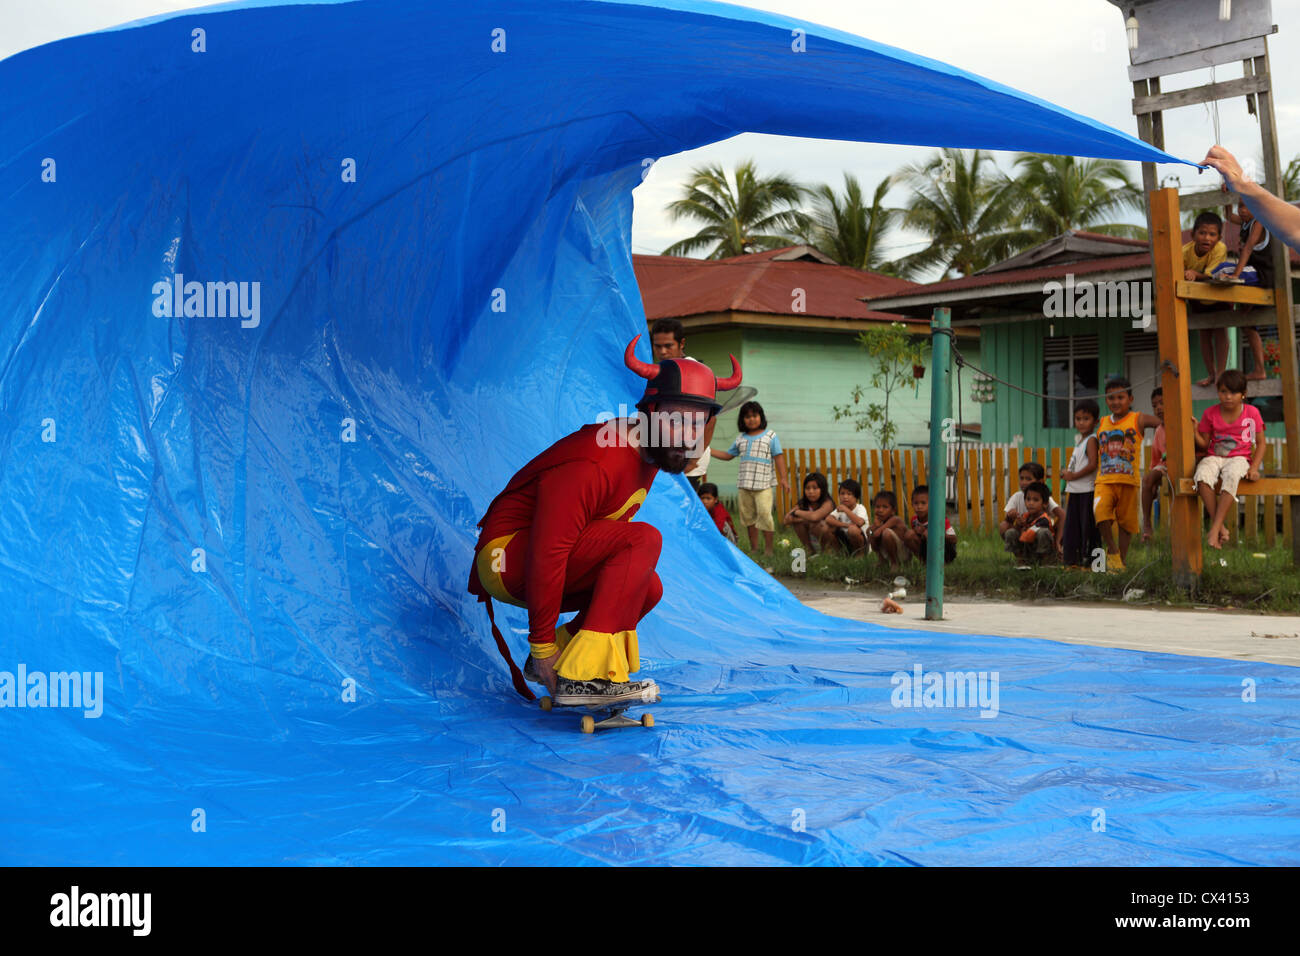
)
(1119, 262)
(675, 287)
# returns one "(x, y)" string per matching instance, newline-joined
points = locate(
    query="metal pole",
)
(940, 422)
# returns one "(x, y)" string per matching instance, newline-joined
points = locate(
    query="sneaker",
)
(530, 671)
(1114, 564)
(600, 693)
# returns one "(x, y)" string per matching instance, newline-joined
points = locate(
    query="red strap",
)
(515, 676)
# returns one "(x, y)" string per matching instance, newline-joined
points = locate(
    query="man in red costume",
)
(560, 537)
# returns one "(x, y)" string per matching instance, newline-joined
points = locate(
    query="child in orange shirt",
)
(1115, 500)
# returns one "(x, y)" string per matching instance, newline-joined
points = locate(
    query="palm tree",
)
(1291, 180)
(967, 208)
(1061, 193)
(758, 214)
(848, 230)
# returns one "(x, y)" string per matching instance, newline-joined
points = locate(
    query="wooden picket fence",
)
(982, 477)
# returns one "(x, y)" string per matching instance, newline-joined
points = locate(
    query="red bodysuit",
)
(560, 538)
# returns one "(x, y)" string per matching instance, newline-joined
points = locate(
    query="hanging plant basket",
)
(918, 371)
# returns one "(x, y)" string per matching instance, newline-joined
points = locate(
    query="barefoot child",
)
(761, 465)
(808, 517)
(1030, 472)
(1115, 501)
(1201, 257)
(1159, 469)
(844, 526)
(1232, 432)
(916, 539)
(717, 511)
(1080, 538)
(1254, 266)
(885, 534)
(1035, 540)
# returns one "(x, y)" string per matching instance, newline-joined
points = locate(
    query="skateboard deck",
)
(612, 714)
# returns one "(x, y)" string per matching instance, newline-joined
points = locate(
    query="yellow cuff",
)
(542, 651)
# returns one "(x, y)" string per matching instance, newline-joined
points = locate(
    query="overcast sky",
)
(1069, 52)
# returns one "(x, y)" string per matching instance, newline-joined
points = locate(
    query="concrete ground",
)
(1207, 633)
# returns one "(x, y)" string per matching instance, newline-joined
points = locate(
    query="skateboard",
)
(613, 714)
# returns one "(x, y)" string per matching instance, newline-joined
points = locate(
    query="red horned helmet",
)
(680, 380)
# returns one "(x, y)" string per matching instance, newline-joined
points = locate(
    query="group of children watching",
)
(820, 526)
(1103, 484)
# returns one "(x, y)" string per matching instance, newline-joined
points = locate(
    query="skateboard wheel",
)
(647, 720)
(545, 703)
(588, 724)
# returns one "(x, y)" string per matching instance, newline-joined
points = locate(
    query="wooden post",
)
(964, 523)
(1286, 344)
(1175, 349)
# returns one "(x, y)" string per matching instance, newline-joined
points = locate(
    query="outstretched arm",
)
(1278, 216)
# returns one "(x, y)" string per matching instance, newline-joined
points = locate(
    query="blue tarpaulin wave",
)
(237, 519)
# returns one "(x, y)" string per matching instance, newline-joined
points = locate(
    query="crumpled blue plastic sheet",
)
(454, 310)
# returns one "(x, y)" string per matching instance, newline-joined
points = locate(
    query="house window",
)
(1070, 371)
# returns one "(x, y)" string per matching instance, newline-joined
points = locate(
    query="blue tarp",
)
(235, 519)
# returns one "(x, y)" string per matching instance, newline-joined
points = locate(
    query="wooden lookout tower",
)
(1167, 37)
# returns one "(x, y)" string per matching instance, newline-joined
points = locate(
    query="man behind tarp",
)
(560, 537)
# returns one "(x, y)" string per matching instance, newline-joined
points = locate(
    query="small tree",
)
(893, 355)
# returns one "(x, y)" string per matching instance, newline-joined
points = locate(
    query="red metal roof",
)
(675, 287)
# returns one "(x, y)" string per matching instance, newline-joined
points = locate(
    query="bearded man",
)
(560, 537)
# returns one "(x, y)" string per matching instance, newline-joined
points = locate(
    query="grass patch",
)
(983, 569)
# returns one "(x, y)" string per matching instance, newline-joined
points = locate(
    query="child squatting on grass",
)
(916, 539)
(1032, 537)
(885, 534)
(844, 526)
(717, 510)
(1231, 432)
(1030, 472)
(808, 517)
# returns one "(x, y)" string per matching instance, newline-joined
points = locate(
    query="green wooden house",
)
(1058, 320)
(792, 317)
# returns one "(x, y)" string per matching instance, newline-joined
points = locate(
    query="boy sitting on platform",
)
(1201, 257)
